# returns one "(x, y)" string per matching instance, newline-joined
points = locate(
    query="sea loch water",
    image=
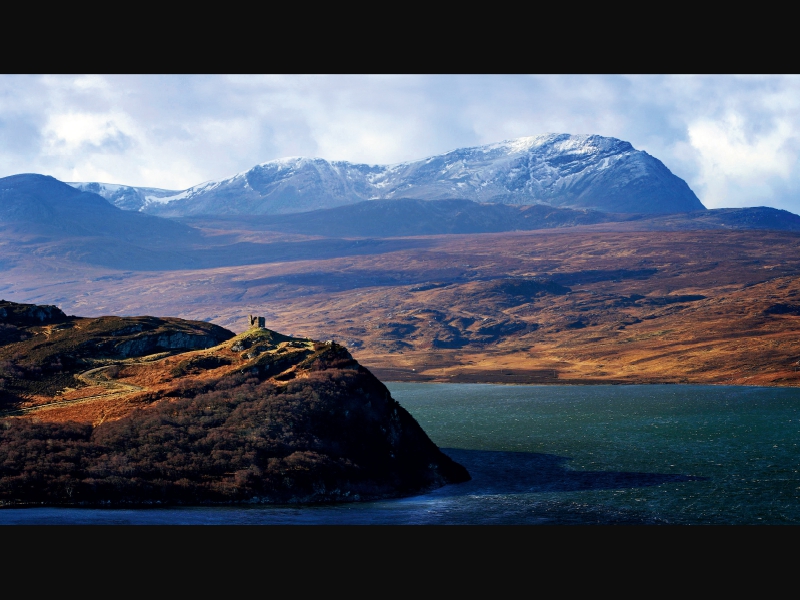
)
(566, 455)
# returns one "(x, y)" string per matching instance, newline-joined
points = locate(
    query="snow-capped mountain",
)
(125, 197)
(562, 170)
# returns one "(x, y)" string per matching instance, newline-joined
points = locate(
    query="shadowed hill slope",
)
(757, 217)
(39, 204)
(413, 217)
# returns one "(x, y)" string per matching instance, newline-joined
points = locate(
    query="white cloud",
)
(93, 83)
(737, 168)
(68, 133)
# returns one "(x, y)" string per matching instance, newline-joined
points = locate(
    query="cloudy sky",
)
(735, 140)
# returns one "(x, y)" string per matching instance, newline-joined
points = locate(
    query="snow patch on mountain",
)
(125, 197)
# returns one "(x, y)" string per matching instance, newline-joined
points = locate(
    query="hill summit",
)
(140, 410)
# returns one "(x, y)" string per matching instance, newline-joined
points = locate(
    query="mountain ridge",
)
(560, 170)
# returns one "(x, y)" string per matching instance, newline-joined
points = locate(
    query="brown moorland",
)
(580, 305)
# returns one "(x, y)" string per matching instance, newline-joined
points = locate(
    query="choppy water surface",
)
(567, 455)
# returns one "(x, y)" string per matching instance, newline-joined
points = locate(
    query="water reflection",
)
(497, 472)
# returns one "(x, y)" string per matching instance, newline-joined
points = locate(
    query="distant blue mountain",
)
(44, 205)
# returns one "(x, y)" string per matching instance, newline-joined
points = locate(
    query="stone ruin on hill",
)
(260, 322)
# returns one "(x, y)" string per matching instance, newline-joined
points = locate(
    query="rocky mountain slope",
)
(573, 171)
(144, 410)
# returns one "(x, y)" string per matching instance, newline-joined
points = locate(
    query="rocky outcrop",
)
(12, 313)
(155, 342)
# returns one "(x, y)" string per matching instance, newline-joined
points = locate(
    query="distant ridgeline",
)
(560, 170)
(409, 217)
(43, 219)
(143, 410)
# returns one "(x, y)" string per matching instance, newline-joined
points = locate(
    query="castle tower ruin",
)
(260, 322)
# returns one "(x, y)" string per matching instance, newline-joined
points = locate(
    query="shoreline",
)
(581, 382)
(503, 375)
